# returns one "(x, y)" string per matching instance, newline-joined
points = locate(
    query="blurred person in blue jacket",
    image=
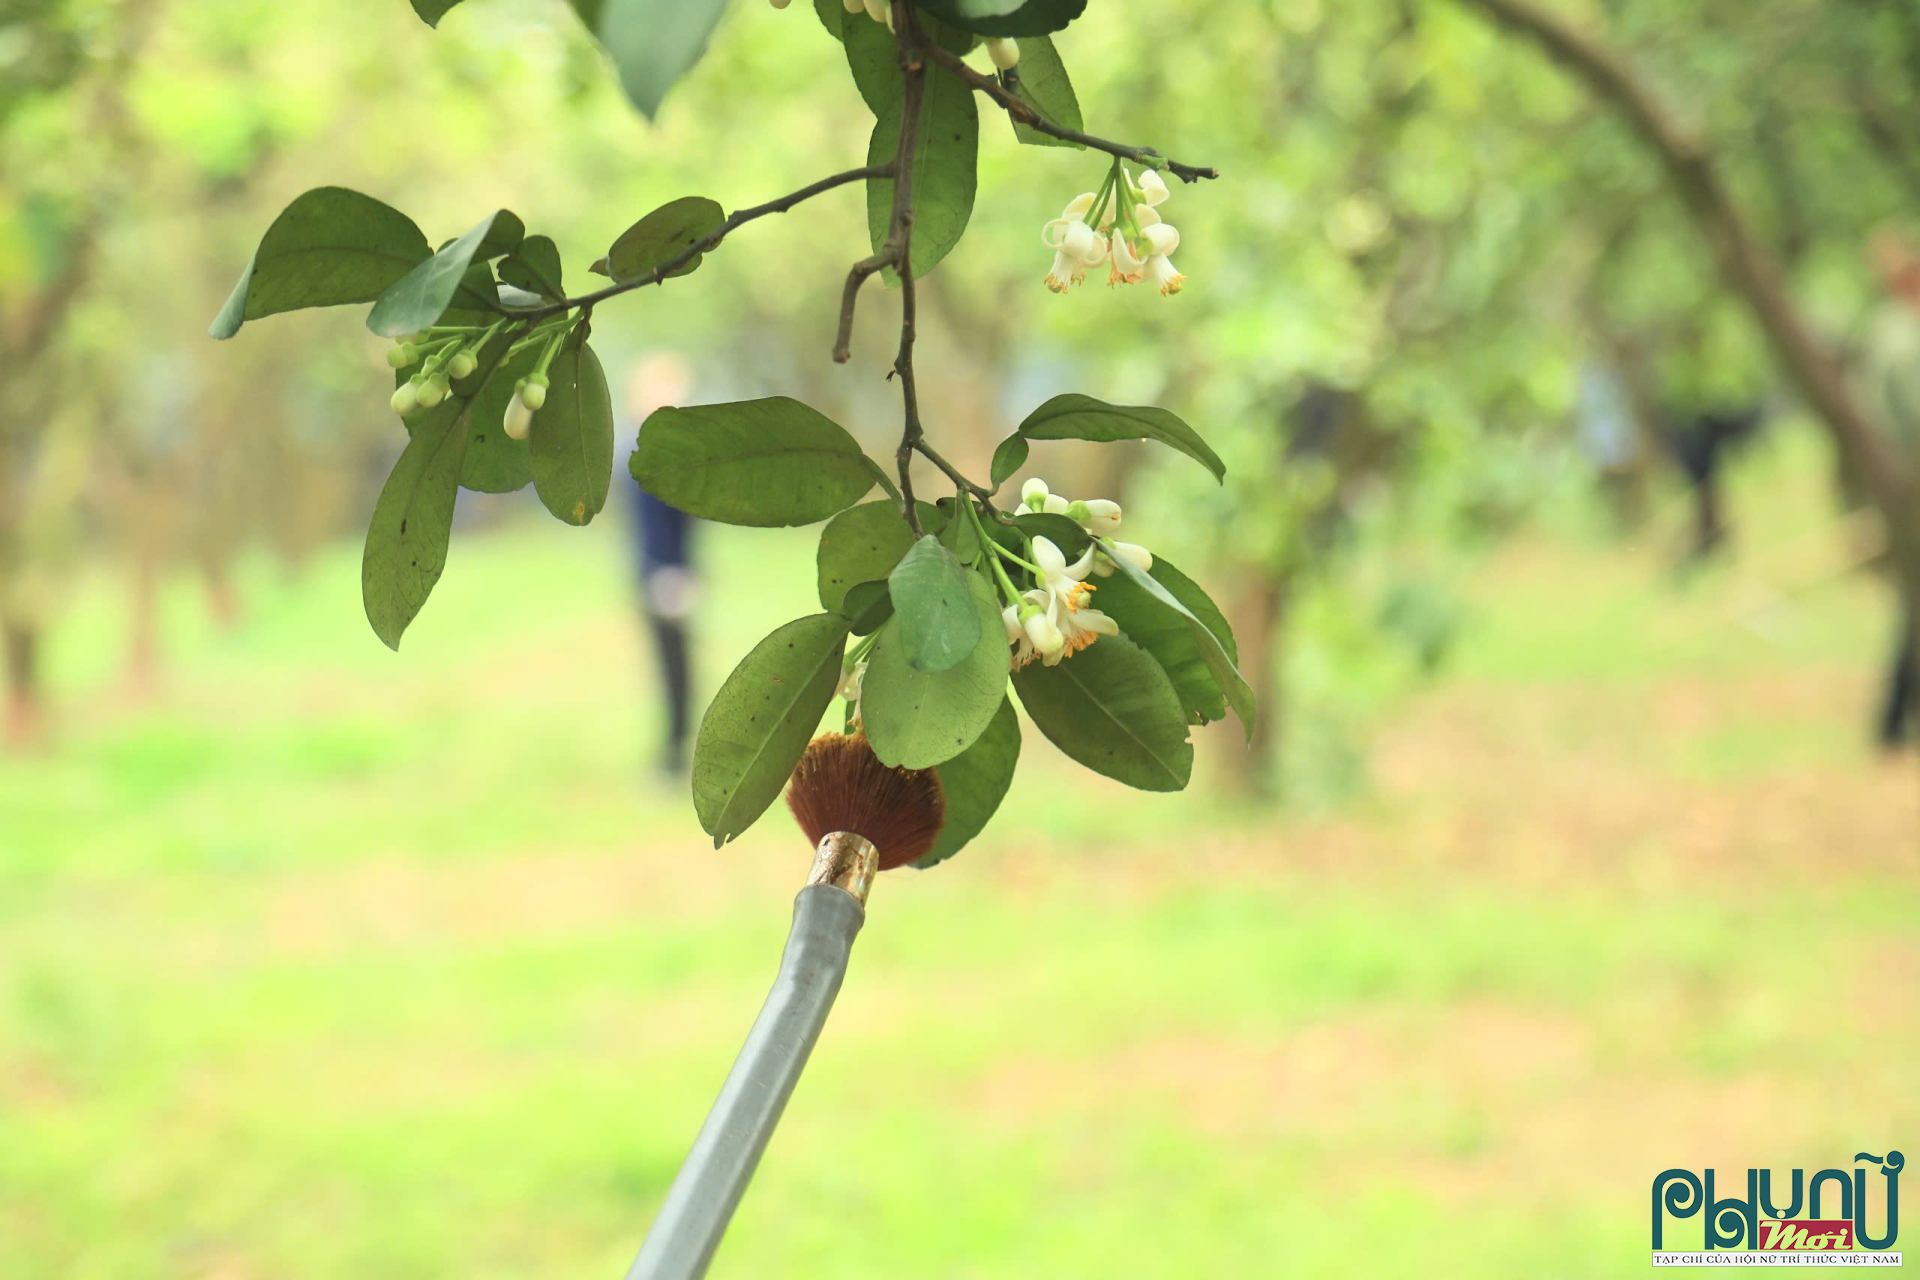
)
(663, 543)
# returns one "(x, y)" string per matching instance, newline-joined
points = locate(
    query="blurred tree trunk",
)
(1747, 268)
(1257, 612)
(25, 705)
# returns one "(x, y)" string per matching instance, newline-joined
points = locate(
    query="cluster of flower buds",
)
(1100, 517)
(529, 397)
(441, 358)
(878, 10)
(1119, 225)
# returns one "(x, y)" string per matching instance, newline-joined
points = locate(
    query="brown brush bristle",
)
(840, 785)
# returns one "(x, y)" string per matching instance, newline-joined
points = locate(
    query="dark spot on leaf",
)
(403, 526)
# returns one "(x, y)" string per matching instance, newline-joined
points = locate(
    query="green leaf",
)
(1198, 603)
(754, 462)
(407, 537)
(652, 42)
(864, 543)
(1006, 17)
(572, 436)
(974, 782)
(1063, 533)
(1219, 662)
(1163, 632)
(663, 235)
(916, 719)
(1078, 417)
(867, 606)
(331, 246)
(944, 174)
(961, 538)
(833, 16)
(431, 11)
(1111, 708)
(535, 267)
(1043, 85)
(874, 60)
(760, 721)
(935, 623)
(1009, 458)
(418, 298)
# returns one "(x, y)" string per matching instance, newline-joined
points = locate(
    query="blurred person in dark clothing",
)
(663, 538)
(1701, 441)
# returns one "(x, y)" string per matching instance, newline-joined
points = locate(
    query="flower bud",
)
(1005, 53)
(419, 339)
(518, 421)
(406, 398)
(779, 4)
(1055, 505)
(1153, 187)
(1102, 518)
(463, 364)
(402, 354)
(1034, 493)
(1078, 512)
(1132, 553)
(533, 391)
(432, 390)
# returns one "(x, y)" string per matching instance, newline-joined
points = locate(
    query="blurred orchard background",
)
(1565, 855)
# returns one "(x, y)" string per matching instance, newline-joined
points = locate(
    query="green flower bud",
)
(534, 392)
(463, 364)
(406, 397)
(433, 390)
(402, 354)
(1079, 512)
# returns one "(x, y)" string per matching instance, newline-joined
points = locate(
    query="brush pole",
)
(827, 914)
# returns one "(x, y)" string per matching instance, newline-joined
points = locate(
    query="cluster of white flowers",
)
(1053, 620)
(1126, 232)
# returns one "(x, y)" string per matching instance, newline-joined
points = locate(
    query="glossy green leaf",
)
(652, 42)
(944, 174)
(1063, 533)
(961, 538)
(935, 623)
(1164, 633)
(1006, 17)
(1219, 661)
(761, 720)
(1113, 709)
(412, 521)
(329, 247)
(833, 16)
(1043, 85)
(535, 267)
(975, 782)
(418, 298)
(1197, 602)
(1078, 417)
(915, 718)
(864, 543)
(874, 60)
(571, 442)
(663, 235)
(753, 462)
(1009, 458)
(867, 606)
(431, 11)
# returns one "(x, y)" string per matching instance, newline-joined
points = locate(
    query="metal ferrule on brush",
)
(845, 861)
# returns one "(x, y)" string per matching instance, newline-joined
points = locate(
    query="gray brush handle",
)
(701, 1201)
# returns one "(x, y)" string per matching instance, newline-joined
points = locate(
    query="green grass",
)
(330, 962)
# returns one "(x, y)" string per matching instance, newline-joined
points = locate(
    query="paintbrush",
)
(863, 818)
